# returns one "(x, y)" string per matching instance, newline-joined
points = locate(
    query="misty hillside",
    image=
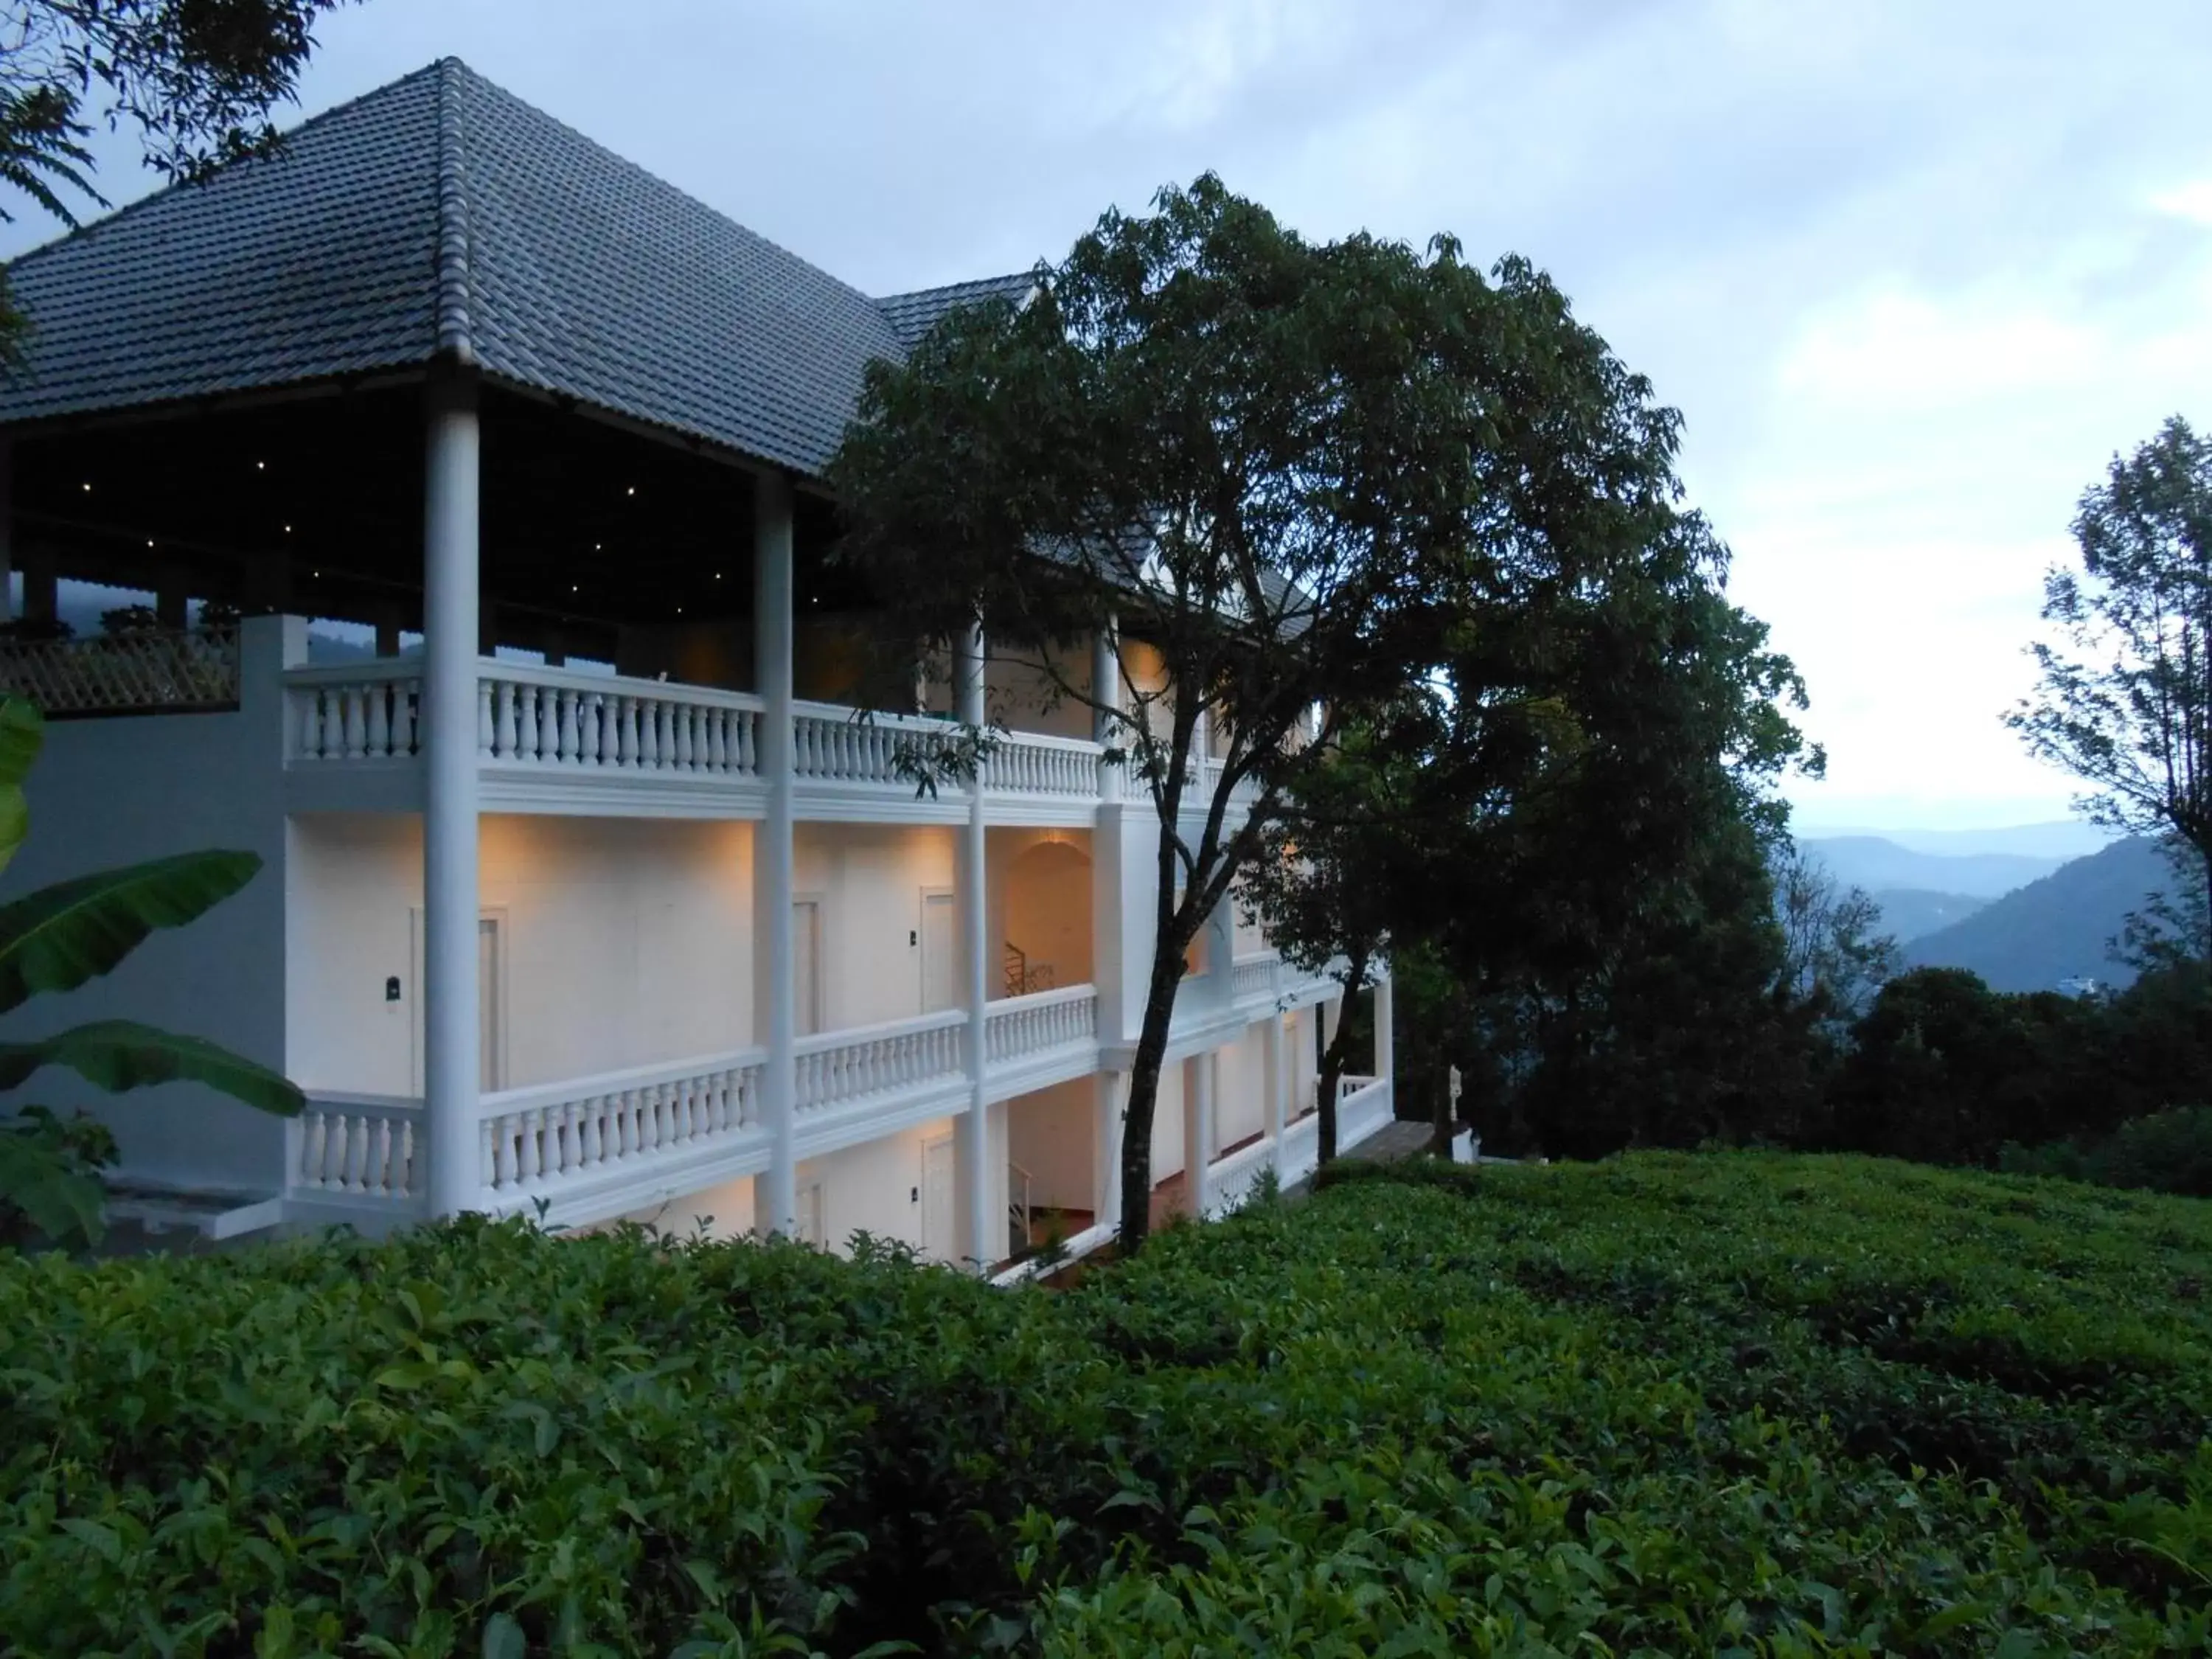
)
(1877, 863)
(1909, 912)
(2030, 939)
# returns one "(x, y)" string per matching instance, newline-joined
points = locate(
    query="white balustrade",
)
(555, 717)
(362, 711)
(1364, 1105)
(1031, 763)
(831, 745)
(1034, 1024)
(564, 1132)
(837, 1067)
(360, 1146)
(1252, 977)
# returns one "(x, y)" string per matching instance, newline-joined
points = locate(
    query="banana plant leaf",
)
(116, 1055)
(59, 937)
(62, 1202)
(23, 732)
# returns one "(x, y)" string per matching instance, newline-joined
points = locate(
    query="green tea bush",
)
(1670, 1404)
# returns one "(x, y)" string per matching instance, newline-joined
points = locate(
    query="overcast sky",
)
(1913, 271)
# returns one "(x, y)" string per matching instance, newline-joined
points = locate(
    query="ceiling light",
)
(87, 489)
(261, 466)
(632, 491)
(149, 541)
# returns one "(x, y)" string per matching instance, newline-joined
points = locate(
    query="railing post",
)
(449, 819)
(1197, 1130)
(1106, 699)
(1384, 1037)
(1106, 1157)
(1275, 1079)
(971, 1149)
(775, 1207)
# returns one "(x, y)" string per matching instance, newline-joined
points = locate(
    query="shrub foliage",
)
(1670, 1404)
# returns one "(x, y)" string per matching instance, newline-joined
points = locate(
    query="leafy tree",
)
(2125, 704)
(1292, 473)
(55, 939)
(1335, 883)
(198, 79)
(1943, 1070)
(1833, 959)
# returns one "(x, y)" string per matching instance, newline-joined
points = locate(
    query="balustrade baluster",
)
(626, 731)
(718, 729)
(682, 718)
(356, 733)
(550, 747)
(492, 1155)
(380, 724)
(746, 740)
(650, 749)
(525, 722)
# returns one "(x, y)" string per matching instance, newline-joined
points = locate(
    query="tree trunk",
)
(1144, 1100)
(1332, 1067)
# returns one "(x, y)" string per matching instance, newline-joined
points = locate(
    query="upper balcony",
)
(565, 740)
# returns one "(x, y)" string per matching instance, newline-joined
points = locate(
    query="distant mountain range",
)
(1881, 864)
(2053, 928)
(2066, 838)
(1909, 912)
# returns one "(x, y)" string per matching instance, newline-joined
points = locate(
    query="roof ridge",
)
(163, 193)
(451, 299)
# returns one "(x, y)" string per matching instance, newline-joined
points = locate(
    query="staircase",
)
(1021, 980)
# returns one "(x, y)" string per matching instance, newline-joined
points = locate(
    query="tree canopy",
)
(1308, 483)
(2124, 700)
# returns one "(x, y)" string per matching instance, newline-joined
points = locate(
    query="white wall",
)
(628, 942)
(1052, 1132)
(1039, 898)
(1167, 1124)
(105, 792)
(1240, 1108)
(869, 880)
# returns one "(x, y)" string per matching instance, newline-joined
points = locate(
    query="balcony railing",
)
(359, 1147)
(560, 1133)
(1022, 1027)
(555, 717)
(159, 671)
(838, 1068)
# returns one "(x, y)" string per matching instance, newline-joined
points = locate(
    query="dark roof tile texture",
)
(441, 213)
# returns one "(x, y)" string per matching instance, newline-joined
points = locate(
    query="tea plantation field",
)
(1672, 1405)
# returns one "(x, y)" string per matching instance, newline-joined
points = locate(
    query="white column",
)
(1109, 1089)
(451, 1065)
(1383, 1012)
(1106, 695)
(1198, 1147)
(1275, 1079)
(7, 526)
(971, 1148)
(775, 1194)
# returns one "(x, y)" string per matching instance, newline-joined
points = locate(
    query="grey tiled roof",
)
(913, 315)
(441, 213)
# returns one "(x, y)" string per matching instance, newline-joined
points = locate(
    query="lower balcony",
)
(590, 1148)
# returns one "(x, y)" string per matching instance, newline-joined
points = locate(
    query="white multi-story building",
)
(586, 891)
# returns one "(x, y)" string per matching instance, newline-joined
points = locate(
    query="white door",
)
(491, 1000)
(940, 1239)
(491, 1052)
(806, 967)
(813, 1220)
(940, 953)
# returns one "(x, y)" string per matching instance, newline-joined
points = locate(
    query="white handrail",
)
(601, 1083)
